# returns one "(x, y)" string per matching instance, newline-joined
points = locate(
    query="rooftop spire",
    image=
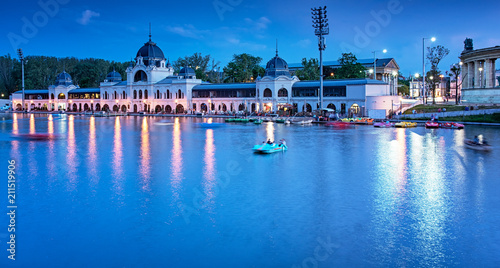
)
(276, 47)
(150, 32)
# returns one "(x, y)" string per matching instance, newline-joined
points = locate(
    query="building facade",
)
(152, 86)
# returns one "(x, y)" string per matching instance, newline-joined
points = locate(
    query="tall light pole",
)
(320, 24)
(375, 62)
(21, 58)
(423, 66)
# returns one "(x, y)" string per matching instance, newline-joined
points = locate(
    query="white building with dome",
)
(152, 86)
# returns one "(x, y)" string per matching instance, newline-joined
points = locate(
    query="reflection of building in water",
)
(152, 86)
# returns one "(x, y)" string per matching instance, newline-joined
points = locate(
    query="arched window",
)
(135, 94)
(179, 94)
(140, 94)
(268, 93)
(124, 95)
(331, 106)
(158, 95)
(168, 94)
(51, 96)
(283, 92)
(116, 95)
(146, 94)
(140, 76)
(61, 96)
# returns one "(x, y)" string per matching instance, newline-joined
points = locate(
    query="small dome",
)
(114, 77)
(63, 79)
(277, 67)
(187, 72)
(151, 53)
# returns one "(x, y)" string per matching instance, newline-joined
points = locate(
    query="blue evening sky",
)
(116, 30)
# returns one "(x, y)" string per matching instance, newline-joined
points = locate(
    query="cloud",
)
(188, 31)
(86, 16)
(259, 24)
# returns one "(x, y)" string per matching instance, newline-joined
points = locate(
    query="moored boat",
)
(451, 125)
(383, 124)
(431, 124)
(405, 124)
(258, 121)
(364, 121)
(338, 124)
(302, 121)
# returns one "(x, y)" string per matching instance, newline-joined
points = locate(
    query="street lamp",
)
(423, 66)
(375, 62)
(21, 58)
(320, 24)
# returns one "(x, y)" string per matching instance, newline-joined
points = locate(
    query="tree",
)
(7, 79)
(198, 62)
(350, 68)
(404, 90)
(309, 71)
(434, 56)
(242, 68)
(455, 73)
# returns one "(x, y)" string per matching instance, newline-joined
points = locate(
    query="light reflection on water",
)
(388, 197)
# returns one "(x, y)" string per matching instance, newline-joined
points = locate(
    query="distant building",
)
(152, 86)
(387, 70)
(442, 88)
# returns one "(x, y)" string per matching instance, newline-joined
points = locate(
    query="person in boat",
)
(485, 142)
(282, 142)
(269, 141)
(476, 139)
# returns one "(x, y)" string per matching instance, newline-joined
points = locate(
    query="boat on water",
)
(405, 124)
(267, 148)
(36, 136)
(383, 124)
(452, 125)
(431, 124)
(338, 124)
(348, 120)
(470, 144)
(301, 121)
(164, 123)
(237, 120)
(258, 121)
(364, 121)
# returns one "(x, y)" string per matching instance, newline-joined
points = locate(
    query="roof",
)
(150, 51)
(338, 82)
(336, 64)
(33, 91)
(233, 86)
(84, 90)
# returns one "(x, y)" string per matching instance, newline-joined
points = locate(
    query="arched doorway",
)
(331, 106)
(61, 96)
(254, 107)
(86, 107)
(354, 110)
(204, 107)
(282, 93)
(224, 107)
(308, 108)
(105, 108)
(268, 93)
(135, 108)
(179, 109)
(241, 107)
(98, 107)
(19, 106)
(124, 108)
(116, 108)
(75, 107)
(168, 109)
(157, 109)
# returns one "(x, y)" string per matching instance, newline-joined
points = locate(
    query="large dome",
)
(277, 67)
(63, 79)
(151, 52)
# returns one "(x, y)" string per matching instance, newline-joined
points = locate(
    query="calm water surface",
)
(126, 192)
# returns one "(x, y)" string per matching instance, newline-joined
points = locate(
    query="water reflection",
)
(32, 124)
(117, 156)
(15, 143)
(209, 167)
(270, 131)
(92, 154)
(144, 168)
(71, 161)
(176, 160)
(51, 163)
